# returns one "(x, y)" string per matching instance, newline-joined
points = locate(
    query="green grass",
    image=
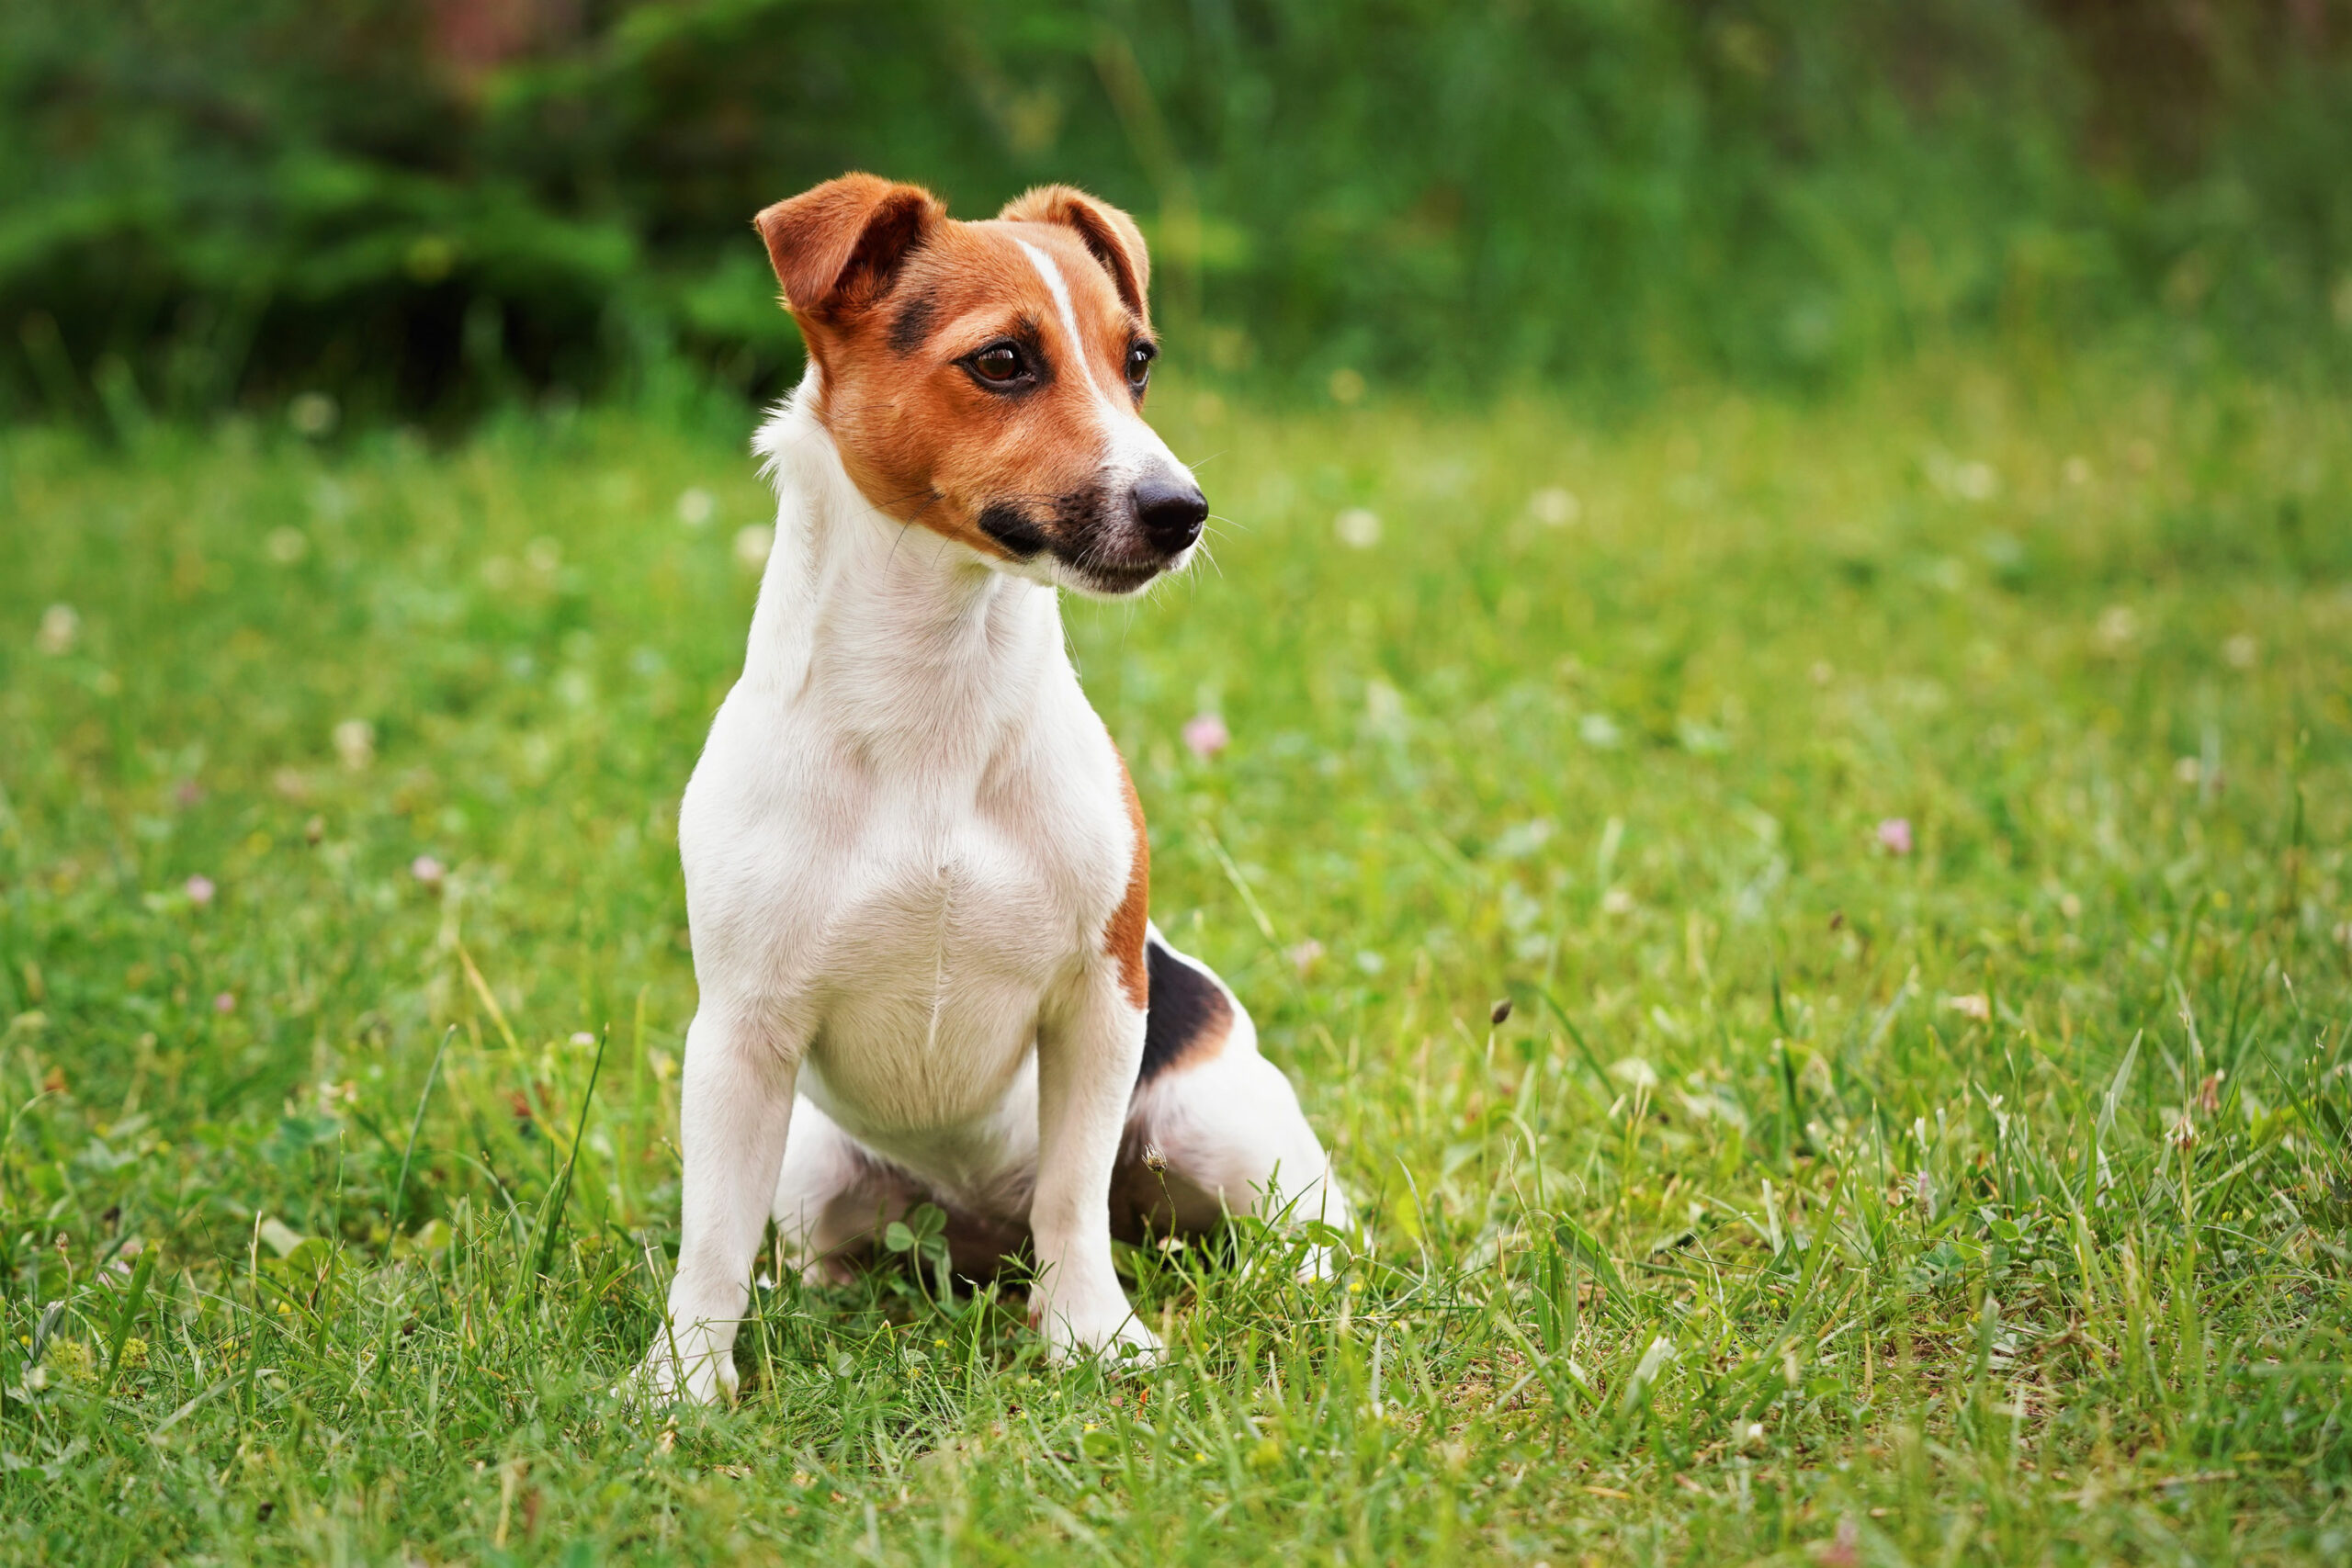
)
(1982, 1203)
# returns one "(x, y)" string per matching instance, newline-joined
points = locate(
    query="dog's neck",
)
(908, 642)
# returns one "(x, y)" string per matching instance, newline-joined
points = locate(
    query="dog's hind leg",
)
(1214, 1128)
(832, 1197)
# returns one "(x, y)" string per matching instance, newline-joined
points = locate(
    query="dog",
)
(917, 878)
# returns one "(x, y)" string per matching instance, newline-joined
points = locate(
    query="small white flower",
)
(61, 628)
(1634, 1073)
(311, 413)
(1357, 527)
(752, 544)
(695, 506)
(355, 743)
(1555, 507)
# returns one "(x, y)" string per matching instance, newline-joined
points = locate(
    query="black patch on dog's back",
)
(1188, 1013)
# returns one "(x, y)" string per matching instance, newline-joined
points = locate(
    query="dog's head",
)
(986, 380)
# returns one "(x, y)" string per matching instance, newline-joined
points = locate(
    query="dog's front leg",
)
(1087, 1060)
(735, 1106)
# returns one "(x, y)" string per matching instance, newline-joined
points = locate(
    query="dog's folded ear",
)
(1110, 234)
(837, 247)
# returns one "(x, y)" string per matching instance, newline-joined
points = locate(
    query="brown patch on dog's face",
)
(986, 380)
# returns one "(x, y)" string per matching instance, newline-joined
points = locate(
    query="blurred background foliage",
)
(423, 208)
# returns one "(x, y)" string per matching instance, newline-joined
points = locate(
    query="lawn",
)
(1908, 830)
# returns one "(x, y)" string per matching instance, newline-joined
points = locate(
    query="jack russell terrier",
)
(916, 871)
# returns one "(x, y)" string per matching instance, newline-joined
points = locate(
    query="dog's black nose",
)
(1172, 510)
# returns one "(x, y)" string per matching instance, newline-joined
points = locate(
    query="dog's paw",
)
(1132, 1347)
(1120, 1344)
(1133, 1350)
(675, 1373)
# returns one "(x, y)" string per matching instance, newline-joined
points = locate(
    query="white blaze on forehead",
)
(1060, 291)
(1136, 445)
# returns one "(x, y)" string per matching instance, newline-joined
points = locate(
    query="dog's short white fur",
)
(901, 846)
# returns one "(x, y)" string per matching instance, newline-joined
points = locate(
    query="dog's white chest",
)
(909, 916)
(947, 938)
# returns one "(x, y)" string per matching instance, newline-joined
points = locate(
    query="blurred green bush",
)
(424, 206)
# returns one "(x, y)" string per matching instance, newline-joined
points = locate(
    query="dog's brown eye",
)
(999, 362)
(1139, 358)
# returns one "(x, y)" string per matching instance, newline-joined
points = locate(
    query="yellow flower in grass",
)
(73, 1361)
